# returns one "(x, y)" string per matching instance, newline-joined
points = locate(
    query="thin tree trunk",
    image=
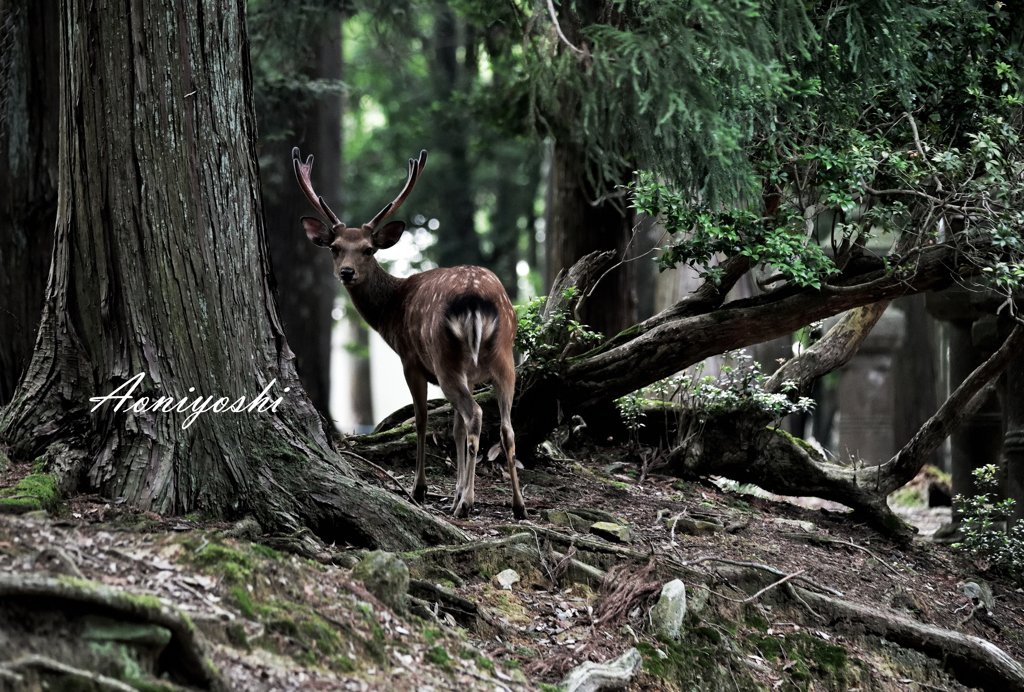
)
(160, 268)
(29, 100)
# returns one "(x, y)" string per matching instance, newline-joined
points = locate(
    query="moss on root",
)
(33, 492)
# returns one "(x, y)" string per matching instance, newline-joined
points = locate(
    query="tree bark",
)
(29, 108)
(160, 267)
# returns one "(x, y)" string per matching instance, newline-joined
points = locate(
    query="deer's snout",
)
(346, 274)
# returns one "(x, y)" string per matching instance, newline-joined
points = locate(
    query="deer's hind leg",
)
(468, 421)
(504, 389)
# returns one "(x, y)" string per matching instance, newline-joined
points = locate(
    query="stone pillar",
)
(1013, 440)
(867, 395)
(973, 335)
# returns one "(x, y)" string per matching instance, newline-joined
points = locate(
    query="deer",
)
(454, 327)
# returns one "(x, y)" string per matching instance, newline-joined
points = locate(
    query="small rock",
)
(507, 578)
(248, 529)
(567, 519)
(603, 677)
(670, 610)
(611, 532)
(692, 527)
(614, 468)
(595, 515)
(385, 576)
(37, 515)
(807, 526)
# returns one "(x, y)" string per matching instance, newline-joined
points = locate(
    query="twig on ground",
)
(766, 568)
(823, 539)
(383, 470)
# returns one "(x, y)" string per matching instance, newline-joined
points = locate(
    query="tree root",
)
(185, 654)
(974, 661)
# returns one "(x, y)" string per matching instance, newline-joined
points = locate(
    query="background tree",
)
(28, 176)
(160, 267)
(297, 81)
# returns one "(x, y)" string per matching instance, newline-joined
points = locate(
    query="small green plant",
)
(984, 536)
(740, 383)
(544, 341)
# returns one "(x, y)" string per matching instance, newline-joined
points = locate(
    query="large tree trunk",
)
(305, 287)
(29, 59)
(160, 268)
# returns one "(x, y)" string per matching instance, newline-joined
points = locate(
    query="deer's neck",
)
(373, 296)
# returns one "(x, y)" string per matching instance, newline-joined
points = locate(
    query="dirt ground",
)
(274, 621)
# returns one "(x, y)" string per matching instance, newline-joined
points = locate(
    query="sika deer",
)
(453, 327)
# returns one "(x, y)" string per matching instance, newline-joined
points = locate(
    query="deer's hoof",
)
(462, 510)
(419, 493)
(519, 512)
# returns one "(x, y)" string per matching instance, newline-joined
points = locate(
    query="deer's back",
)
(434, 306)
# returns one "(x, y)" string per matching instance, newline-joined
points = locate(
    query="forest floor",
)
(275, 621)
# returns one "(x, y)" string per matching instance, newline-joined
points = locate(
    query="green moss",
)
(235, 566)
(343, 664)
(243, 601)
(237, 636)
(439, 657)
(756, 621)
(33, 492)
(267, 552)
(549, 688)
(485, 663)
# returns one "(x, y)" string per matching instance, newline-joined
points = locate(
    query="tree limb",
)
(833, 350)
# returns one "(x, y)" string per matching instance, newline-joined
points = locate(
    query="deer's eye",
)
(369, 251)
(334, 250)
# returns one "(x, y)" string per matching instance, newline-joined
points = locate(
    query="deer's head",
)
(353, 248)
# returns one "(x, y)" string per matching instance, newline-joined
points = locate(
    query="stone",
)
(615, 533)
(507, 578)
(247, 529)
(669, 612)
(385, 576)
(604, 677)
(566, 519)
(806, 526)
(693, 527)
(595, 515)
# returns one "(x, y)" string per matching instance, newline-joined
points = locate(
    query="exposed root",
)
(625, 589)
(974, 661)
(186, 649)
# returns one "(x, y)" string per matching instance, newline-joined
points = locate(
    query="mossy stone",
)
(386, 576)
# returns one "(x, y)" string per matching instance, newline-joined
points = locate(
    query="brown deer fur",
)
(453, 327)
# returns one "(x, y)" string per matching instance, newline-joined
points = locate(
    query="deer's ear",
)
(388, 234)
(317, 231)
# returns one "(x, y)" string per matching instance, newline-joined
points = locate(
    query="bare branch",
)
(558, 30)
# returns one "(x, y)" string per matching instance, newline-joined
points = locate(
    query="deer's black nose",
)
(346, 274)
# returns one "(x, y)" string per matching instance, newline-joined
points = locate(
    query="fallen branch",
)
(757, 595)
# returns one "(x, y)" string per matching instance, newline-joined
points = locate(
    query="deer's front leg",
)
(418, 388)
